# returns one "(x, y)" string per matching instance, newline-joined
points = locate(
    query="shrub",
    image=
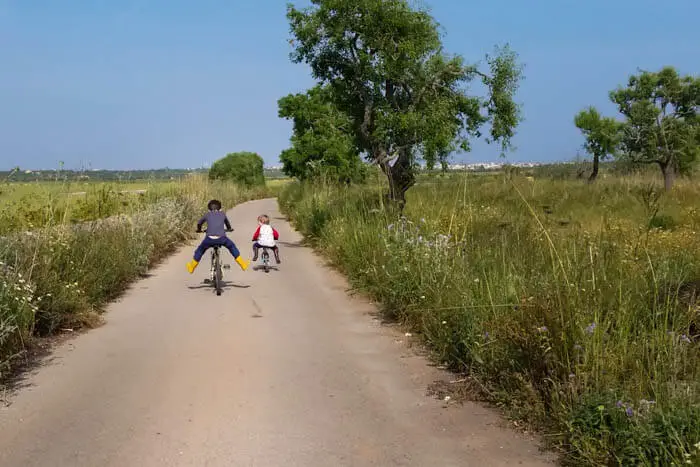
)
(245, 168)
(557, 320)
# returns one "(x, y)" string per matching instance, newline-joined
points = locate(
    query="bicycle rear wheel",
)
(266, 260)
(218, 274)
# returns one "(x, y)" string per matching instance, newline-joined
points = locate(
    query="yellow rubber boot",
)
(242, 263)
(192, 265)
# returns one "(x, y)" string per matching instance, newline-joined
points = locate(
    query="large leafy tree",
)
(322, 142)
(662, 124)
(602, 136)
(405, 97)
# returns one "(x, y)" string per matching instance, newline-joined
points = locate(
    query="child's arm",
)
(227, 224)
(256, 234)
(201, 222)
(275, 234)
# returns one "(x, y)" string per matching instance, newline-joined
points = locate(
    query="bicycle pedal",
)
(227, 266)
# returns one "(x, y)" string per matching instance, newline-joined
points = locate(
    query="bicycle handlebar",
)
(202, 231)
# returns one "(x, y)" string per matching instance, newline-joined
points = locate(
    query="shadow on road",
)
(291, 244)
(226, 285)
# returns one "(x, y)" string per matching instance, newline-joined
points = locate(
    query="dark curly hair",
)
(214, 205)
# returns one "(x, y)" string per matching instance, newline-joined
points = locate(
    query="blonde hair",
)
(263, 219)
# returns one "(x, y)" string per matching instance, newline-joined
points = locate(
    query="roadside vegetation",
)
(67, 248)
(566, 293)
(573, 306)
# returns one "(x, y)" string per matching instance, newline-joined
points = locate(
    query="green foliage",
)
(662, 123)
(60, 274)
(245, 168)
(554, 295)
(322, 145)
(405, 97)
(602, 135)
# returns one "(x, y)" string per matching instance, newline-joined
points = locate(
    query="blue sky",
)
(128, 84)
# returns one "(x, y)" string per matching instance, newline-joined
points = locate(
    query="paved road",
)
(284, 369)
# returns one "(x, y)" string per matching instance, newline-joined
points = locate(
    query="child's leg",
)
(228, 243)
(202, 248)
(256, 246)
(276, 250)
(198, 253)
(231, 247)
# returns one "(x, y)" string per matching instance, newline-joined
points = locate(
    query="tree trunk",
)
(594, 174)
(668, 169)
(400, 177)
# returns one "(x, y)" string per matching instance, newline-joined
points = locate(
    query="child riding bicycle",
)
(264, 237)
(217, 226)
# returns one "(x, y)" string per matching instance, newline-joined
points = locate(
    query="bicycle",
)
(217, 275)
(265, 258)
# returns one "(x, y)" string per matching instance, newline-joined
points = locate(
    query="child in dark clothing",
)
(217, 226)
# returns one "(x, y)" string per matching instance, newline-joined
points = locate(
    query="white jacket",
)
(266, 237)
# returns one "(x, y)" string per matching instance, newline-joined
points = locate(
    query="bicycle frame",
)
(216, 272)
(265, 257)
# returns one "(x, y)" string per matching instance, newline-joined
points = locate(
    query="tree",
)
(662, 124)
(245, 168)
(322, 142)
(602, 136)
(405, 97)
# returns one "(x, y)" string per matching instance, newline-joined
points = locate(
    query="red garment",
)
(275, 234)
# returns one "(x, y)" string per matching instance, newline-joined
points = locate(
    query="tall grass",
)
(572, 305)
(60, 274)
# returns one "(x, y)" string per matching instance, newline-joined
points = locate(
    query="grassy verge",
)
(572, 305)
(61, 274)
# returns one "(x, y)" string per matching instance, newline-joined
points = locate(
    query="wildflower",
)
(422, 219)
(629, 412)
(390, 227)
(619, 404)
(486, 335)
(542, 329)
(591, 328)
(685, 339)
(646, 404)
(444, 322)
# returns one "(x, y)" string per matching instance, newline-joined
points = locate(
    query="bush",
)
(245, 168)
(555, 295)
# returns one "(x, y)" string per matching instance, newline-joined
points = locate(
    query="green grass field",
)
(30, 205)
(573, 306)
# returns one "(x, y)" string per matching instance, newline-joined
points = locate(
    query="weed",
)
(558, 321)
(60, 273)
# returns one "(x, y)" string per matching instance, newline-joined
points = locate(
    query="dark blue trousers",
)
(209, 242)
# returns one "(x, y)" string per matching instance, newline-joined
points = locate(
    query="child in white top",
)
(265, 237)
